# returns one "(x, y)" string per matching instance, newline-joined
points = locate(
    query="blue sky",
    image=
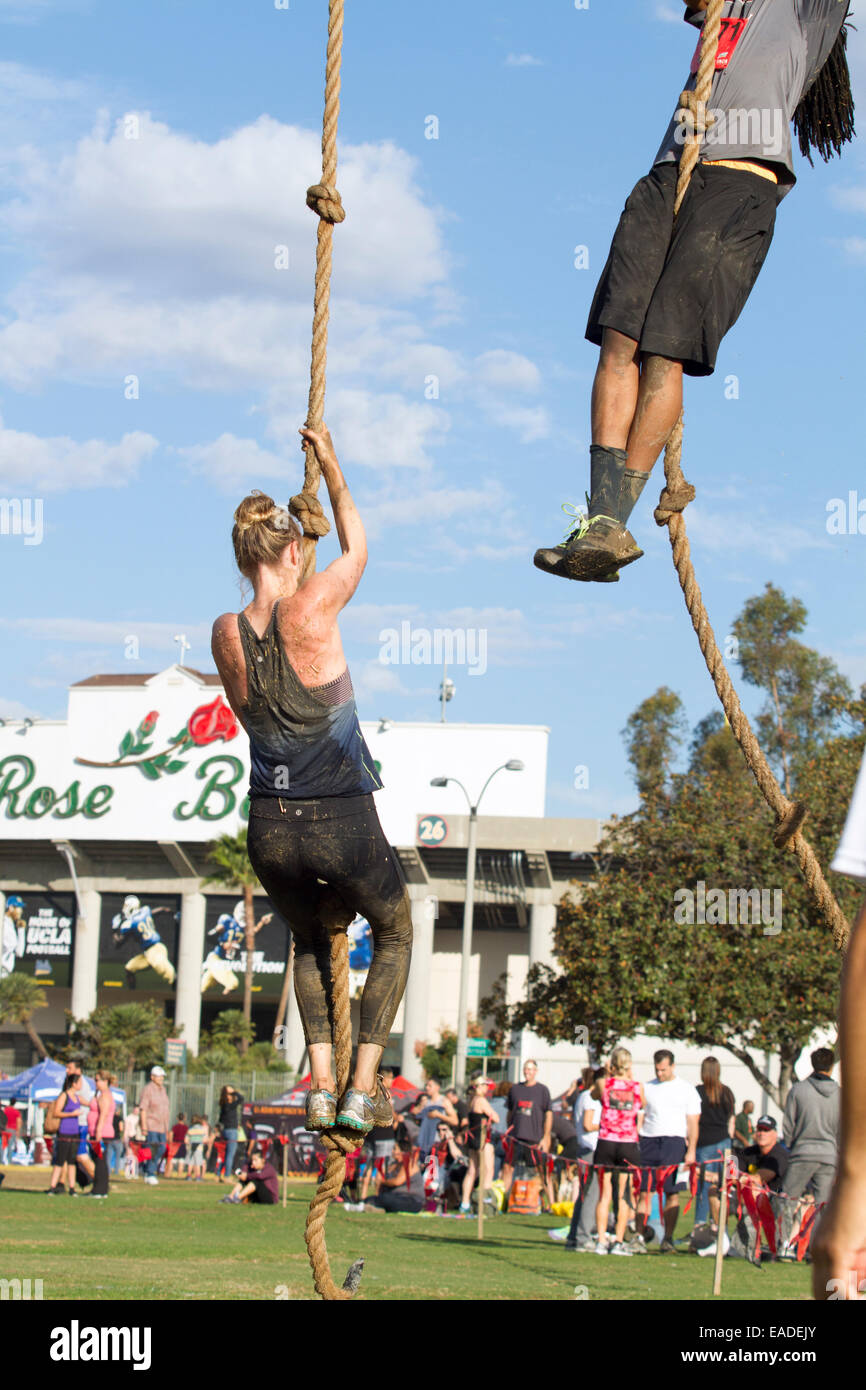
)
(153, 257)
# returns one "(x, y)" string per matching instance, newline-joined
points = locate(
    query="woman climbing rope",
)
(314, 836)
(672, 289)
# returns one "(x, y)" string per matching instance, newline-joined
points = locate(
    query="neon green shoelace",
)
(580, 521)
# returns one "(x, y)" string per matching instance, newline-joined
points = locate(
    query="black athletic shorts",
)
(678, 290)
(616, 1153)
(661, 1151)
(65, 1149)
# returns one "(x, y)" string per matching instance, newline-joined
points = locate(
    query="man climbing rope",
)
(314, 836)
(671, 289)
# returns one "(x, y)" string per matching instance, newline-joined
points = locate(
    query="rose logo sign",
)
(208, 724)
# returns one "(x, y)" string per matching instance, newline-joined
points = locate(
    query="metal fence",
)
(199, 1095)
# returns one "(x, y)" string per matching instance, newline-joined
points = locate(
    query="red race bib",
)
(731, 33)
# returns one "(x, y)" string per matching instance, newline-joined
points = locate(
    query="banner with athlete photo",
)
(138, 937)
(39, 936)
(225, 954)
(360, 955)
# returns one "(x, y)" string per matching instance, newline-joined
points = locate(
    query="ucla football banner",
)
(38, 936)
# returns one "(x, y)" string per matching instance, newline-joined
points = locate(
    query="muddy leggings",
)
(298, 850)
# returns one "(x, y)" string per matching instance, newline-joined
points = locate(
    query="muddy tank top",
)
(304, 742)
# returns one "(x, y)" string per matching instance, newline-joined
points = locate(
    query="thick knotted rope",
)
(324, 200)
(676, 496)
(334, 916)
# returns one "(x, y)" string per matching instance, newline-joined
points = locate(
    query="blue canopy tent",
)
(44, 1082)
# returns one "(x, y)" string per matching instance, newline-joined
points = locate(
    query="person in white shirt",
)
(839, 1247)
(587, 1112)
(669, 1137)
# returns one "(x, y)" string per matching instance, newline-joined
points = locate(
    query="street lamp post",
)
(513, 765)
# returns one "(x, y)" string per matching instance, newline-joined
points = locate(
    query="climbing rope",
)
(677, 494)
(334, 917)
(332, 912)
(324, 200)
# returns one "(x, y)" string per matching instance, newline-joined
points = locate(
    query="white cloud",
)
(231, 464)
(855, 246)
(668, 14)
(424, 509)
(163, 266)
(506, 371)
(776, 540)
(371, 678)
(13, 709)
(33, 464)
(31, 11)
(113, 632)
(523, 60)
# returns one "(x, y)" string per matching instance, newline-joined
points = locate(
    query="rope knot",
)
(324, 199)
(307, 508)
(673, 499)
(695, 114)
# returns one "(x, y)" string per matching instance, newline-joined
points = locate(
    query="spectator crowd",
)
(622, 1157)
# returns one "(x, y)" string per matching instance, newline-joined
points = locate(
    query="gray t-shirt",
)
(774, 50)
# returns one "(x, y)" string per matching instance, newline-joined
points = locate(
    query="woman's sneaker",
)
(360, 1111)
(620, 1248)
(321, 1110)
(602, 1248)
(357, 1111)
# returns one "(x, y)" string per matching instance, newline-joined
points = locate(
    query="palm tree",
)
(235, 872)
(20, 997)
(283, 1005)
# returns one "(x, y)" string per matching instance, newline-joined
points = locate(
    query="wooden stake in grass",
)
(481, 1180)
(723, 1223)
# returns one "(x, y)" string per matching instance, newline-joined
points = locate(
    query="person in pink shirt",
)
(100, 1127)
(622, 1100)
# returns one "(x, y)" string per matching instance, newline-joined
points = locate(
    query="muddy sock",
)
(631, 486)
(606, 470)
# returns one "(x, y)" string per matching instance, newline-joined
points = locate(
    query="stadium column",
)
(542, 920)
(295, 1044)
(85, 959)
(190, 954)
(416, 1001)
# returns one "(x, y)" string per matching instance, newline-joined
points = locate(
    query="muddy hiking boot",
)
(594, 548)
(321, 1110)
(362, 1112)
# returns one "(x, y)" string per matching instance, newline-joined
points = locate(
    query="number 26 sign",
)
(431, 830)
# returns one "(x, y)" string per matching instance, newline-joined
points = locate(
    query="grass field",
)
(176, 1242)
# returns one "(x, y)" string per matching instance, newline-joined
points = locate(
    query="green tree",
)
(804, 689)
(437, 1059)
(20, 998)
(627, 964)
(234, 871)
(118, 1037)
(652, 736)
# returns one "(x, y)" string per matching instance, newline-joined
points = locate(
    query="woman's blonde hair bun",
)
(261, 532)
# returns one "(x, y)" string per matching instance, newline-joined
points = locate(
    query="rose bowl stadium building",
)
(127, 794)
